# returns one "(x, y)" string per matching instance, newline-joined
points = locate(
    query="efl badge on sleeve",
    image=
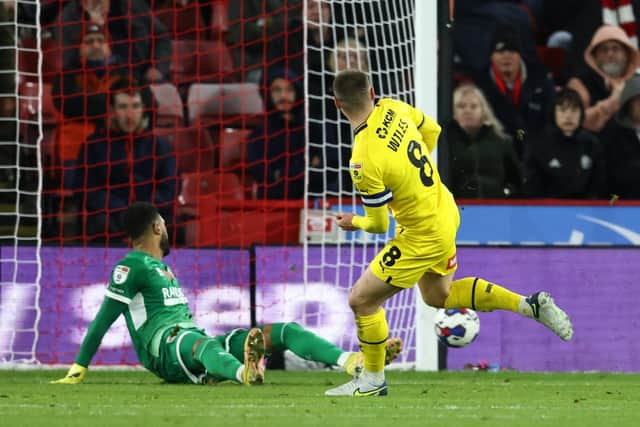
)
(356, 171)
(120, 274)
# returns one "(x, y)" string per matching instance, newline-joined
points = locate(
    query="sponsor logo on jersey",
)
(120, 274)
(452, 262)
(356, 171)
(173, 296)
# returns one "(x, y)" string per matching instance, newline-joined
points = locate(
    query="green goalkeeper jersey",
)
(154, 299)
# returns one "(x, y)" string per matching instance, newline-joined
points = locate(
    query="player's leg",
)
(199, 351)
(309, 346)
(365, 300)
(478, 294)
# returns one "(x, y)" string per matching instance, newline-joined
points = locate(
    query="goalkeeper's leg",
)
(202, 353)
(309, 346)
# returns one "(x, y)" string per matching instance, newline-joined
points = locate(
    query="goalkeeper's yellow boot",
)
(393, 348)
(254, 358)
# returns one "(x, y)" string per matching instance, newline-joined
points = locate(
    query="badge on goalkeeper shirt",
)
(120, 274)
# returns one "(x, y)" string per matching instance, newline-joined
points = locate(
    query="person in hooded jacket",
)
(623, 149)
(276, 150)
(125, 163)
(611, 60)
(565, 161)
(482, 159)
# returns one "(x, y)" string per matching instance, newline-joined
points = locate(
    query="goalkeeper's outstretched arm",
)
(109, 312)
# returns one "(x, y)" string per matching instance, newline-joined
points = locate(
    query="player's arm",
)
(122, 287)
(428, 128)
(375, 219)
(367, 178)
(108, 313)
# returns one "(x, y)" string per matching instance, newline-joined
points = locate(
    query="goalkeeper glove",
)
(75, 375)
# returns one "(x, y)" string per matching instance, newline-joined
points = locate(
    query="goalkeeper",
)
(165, 338)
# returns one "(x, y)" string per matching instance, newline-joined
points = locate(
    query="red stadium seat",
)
(230, 104)
(225, 186)
(242, 228)
(200, 61)
(194, 148)
(233, 147)
(170, 112)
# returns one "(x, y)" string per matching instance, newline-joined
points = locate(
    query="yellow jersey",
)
(391, 164)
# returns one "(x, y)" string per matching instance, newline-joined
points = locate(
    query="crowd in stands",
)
(546, 103)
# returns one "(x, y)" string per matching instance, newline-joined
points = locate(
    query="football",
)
(457, 327)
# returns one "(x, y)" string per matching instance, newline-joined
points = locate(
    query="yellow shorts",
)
(407, 256)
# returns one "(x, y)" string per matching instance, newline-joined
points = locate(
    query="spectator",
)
(611, 59)
(80, 93)
(483, 161)
(623, 150)
(566, 161)
(520, 95)
(581, 19)
(126, 162)
(136, 36)
(276, 151)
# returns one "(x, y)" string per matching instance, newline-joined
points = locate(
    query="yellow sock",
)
(480, 295)
(373, 332)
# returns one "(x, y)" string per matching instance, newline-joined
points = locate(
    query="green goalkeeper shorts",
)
(171, 364)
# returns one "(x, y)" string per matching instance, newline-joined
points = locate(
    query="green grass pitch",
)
(296, 399)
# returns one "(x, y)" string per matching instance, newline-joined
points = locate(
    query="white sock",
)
(373, 377)
(343, 358)
(239, 373)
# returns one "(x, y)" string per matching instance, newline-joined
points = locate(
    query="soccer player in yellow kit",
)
(391, 167)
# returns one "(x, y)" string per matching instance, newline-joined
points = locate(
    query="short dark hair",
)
(568, 97)
(138, 218)
(130, 87)
(351, 88)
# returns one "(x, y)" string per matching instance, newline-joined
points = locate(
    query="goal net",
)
(377, 37)
(221, 114)
(20, 183)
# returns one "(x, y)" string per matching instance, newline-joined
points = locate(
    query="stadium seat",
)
(200, 60)
(170, 112)
(225, 186)
(230, 104)
(232, 147)
(242, 228)
(194, 149)
(28, 60)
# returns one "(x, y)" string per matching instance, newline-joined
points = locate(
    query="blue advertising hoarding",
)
(539, 225)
